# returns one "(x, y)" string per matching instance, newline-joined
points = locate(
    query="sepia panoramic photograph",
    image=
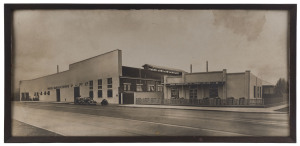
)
(150, 72)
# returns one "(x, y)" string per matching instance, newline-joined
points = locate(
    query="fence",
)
(204, 102)
(276, 100)
(148, 101)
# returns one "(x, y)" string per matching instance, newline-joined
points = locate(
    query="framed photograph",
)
(150, 73)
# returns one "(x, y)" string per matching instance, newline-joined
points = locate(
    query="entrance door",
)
(128, 98)
(213, 90)
(76, 92)
(91, 94)
(58, 95)
(120, 96)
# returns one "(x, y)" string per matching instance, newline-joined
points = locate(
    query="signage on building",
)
(65, 86)
(58, 87)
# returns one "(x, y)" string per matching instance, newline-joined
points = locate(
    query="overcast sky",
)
(236, 40)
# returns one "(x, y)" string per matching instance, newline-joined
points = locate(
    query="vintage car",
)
(85, 101)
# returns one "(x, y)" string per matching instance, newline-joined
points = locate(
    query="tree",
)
(281, 87)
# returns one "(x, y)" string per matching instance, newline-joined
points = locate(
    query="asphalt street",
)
(114, 120)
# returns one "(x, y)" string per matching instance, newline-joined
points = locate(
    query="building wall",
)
(104, 66)
(257, 82)
(204, 77)
(174, 79)
(235, 85)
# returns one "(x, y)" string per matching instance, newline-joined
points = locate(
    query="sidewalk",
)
(270, 110)
(61, 102)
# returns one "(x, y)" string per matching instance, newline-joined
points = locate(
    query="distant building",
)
(268, 91)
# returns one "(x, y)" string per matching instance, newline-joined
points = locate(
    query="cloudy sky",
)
(236, 40)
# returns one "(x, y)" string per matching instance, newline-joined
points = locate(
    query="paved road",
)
(112, 120)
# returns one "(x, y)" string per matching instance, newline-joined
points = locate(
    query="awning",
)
(194, 83)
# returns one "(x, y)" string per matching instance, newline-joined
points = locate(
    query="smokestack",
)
(191, 68)
(57, 69)
(206, 66)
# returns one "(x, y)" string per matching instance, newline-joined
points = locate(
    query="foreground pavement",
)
(114, 120)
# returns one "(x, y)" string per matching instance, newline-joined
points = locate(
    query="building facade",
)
(93, 77)
(100, 77)
(217, 84)
(104, 77)
(143, 83)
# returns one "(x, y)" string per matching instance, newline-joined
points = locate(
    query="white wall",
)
(254, 81)
(204, 77)
(103, 66)
(236, 85)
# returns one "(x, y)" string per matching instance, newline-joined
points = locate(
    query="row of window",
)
(213, 92)
(257, 92)
(41, 93)
(109, 88)
(150, 88)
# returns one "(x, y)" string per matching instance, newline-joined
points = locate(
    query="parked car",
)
(85, 101)
(104, 102)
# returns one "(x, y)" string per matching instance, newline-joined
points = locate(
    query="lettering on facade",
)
(58, 87)
(66, 86)
(164, 71)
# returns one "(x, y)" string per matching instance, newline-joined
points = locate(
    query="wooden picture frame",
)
(10, 8)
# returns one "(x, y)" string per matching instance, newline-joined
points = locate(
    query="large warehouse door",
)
(76, 92)
(128, 98)
(58, 95)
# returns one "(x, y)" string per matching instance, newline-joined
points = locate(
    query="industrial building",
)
(104, 77)
(216, 84)
(100, 77)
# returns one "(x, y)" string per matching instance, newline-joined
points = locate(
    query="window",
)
(91, 94)
(254, 89)
(109, 93)
(91, 85)
(139, 87)
(100, 93)
(151, 88)
(41, 93)
(259, 92)
(109, 81)
(109, 86)
(213, 90)
(159, 88)
(45, 92)
(174, 93)
(100, 84)
(126, 86)
(100, 88)
(193, 93)
(23, 97)
(48, 93)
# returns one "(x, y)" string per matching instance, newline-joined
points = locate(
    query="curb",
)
(205, 110)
